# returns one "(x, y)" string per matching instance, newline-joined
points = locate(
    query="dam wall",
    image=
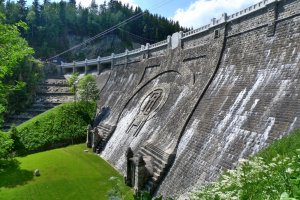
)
(173, 115)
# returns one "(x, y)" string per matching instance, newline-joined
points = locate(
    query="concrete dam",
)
(174, 114)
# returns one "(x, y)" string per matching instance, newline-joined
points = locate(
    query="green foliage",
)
(52, 25)
(117, 191)
(72, 81)
(87, 88)
(19, 73)
(284, 147)
(6, 144)
(63, 124)
(272, 174)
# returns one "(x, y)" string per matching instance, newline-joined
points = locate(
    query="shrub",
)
(87, 88)
(6, 144)
(64, 124)
(272, 174)
(72, 81)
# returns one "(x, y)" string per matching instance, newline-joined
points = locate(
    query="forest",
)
(31, 34)
(56, 26)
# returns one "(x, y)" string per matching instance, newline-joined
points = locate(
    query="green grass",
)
(66, 173)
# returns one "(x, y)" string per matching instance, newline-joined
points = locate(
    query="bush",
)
(87, 88)
(273, 174)
(64, 124)
(72, 80)
(6, 144)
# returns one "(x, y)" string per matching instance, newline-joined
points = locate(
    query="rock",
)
(37, 172)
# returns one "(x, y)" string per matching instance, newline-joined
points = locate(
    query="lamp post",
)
(75, 87)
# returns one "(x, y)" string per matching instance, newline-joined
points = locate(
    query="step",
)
(154, 149)
(21, 117)
(45, 106)
(156, 158)
(53, 89)
(37, 110)
(55, 94)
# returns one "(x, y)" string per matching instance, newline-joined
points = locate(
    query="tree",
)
(93, 7)
(72, 2)
(14, 50)
(22, 9)
(87, 88)
(72, 81)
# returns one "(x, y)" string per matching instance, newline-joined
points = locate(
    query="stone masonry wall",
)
(210, 101)
(253, 100)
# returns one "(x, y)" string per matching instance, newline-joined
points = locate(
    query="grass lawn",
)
(66, 173)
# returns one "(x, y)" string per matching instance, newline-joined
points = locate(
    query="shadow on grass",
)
(11, 175)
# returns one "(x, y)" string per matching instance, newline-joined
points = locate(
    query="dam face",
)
(192, 108)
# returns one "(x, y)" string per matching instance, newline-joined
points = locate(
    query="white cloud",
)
(86, 3)
(200, 12)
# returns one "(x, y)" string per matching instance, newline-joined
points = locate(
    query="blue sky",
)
(189, 13)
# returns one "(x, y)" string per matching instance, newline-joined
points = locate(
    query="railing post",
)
(169, 42)
(224, 17)
(112, 59)
(147, 50)
(61, 72)
(126, 56)
(98, 65)
(180, 39)
(212, 22)
(85, 66)
(74, 65)
(142, 51)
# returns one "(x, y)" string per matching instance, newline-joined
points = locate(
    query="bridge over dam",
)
(174, 114)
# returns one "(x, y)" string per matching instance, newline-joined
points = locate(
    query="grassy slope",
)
(64, 123)
(286, 146)
(66, 173)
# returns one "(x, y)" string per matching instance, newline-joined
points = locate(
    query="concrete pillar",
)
(142, 49)
(180, 39)
(85, 66)
(224, 17)
(98, 65)
(60, 69)
(96, 139)
(112, 60)
(74, 65)
(89, 136)
(169, 42)
(212, 22)
(128, 177)
(126, 56)
(176, 40)
(147, 50)
(140, 174)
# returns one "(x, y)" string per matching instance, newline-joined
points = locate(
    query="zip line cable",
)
(126, 21)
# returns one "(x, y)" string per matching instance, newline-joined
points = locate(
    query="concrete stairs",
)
(51, 92)
(160, 162)
(105, 130)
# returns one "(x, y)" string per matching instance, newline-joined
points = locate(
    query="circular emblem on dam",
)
(150, 104)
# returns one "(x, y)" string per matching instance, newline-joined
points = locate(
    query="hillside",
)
(55, 27)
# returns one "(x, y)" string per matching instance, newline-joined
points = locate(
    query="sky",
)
(189, 13)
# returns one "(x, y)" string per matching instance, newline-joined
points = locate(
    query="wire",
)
(140, 37)
(132, 18)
